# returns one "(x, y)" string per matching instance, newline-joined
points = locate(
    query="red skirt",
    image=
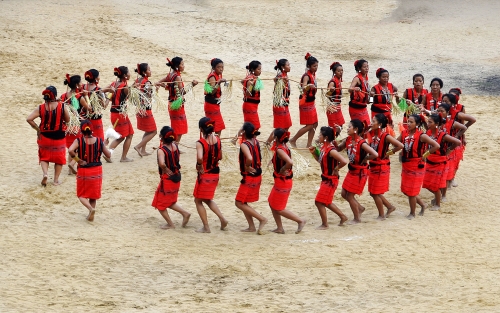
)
(251, 114)
(459, 156)
(281, 117)
(378, 178)
(98, 130)
(335, 118)
(452, 164)
(51, 150)
(435, 176)
(327, 190)
(146, 122)
(70, 138)
(386, 114)
(249, 189)
(166, 194)
(212, 111)
(89, 182)
(178, 120)
(412, 177)
(355, 180)
(205, 186)
(360, 114)
(124, 126)
(308, 114)
(278, 198)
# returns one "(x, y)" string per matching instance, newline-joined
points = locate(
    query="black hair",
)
(358, 125)
(327, 132)
(50, 93)
(206, 125)
(334, 66)
(457, 91)
(445, 106)
(437, 119)
(164, 131)
(280, 64)
(91, 75)
(279, 132)
(120, 71)
(250, 131)
(73, 81)
(418, 75)
(174, 63)
(381, 71)
(310, 60)
(214, 62)
(452, 97)
(382, 120)
(141, 69)
(252, 66)
(86, 132)
(359, 64)
(439, 80)
(417, 118)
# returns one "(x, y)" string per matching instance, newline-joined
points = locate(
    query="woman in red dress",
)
(380, 168)
(92, 86)
(432, 100)
(251, 94)
(87, 151)
(307, 106)
(250, 168)
(415, 94)
(436, 169)
(334, 112)
(415, 143)
(281, 113)
(278, 198)
(170, 179)
(382, 94)
(119, 120)
(175, 86)
(145, 120)
(213, 98)
(208, 155)
(51, 140)
(331, 161)
(359, 153)
(360, 93)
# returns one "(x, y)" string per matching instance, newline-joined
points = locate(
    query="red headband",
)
(284, 136)
(308, 55)
(117, 71)
(170, 134)
(168, 60)
(86, 126)
(68, 78)
(333, 64)
(49, 93)
(210, 123)
(88, 75)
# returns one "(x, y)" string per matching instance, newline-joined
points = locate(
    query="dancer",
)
(334, 112)
(413, 172)
(281, 113)
(213, 95)
(175, 86)
(119, 118)
(145, 119)
(170, 179)
(415, 94)
(459, 151)
(436, 169)
(250, 158)
(252, 86)
(360, 93)
(382, 94)
(380, 168)
(87, 151)
(278, 198)
(331, 161)
(51, 139)
(208, 155)
(307, 107)
(359, 153)
(432, 100)
(74, 97)
(92, 86)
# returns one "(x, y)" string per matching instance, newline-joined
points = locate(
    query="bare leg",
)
(141, 147)
(323, 215)
(380, 206)
(294, 217)
(57, 173)
(390, 208)
(250, 213)
(353, 204)
(116, 142)
(165, 215)
(270, 138)
(422, 205)
(45, 171)
(337, 211)
(300, 133)
(310, 134)
(215, 208)
(126, 147)
(185, 214)
(203, 215)
(436, 202)
(279, 225)
(86, 203)
(218, 133)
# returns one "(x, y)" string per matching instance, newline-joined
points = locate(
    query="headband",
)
(284, 136)
(50, 91)
(210, 123)
(117, 71)
(88, 75)
(308, 55)
(333, 64)
(68, 78)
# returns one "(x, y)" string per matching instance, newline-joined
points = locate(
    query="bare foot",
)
(261, 227)
(56, 183)
(138, 151)
(380, 218)
(301, 225)
(293, 144)
(72, 169)
(126, 160)
(389, 211)
(90, 217)
(322, 227)
(223, 224)
(343, 219)
(233, 141)
(410, 216)
(443, 199)
(166, 226)
(145, 153)
(454, 183)
(203, 230)
(361, 209)
(248, 230)
(354, 222)
(422, 210)
(434, 208)
(44, 180)
(278, 231)
(185, 220)
(107, 159)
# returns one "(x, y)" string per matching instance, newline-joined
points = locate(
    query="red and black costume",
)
(278, 198)
(250, 184)
(382, 101)
(281, 114)
(415, 97)
(459, 151)
(178, 119)
(355, 179)
(307, 106)
(336, 118)
(89, 176)
(380, 168)
(432, 103)
(359, 101)
(96, 119)
(413, 172)
(52, 142)
(251, 102)
(329, 181)
(436, 168)
(145, 120)
(212, 104)
(207, 182)
(122, 122)
(70, 138)
(168, 189)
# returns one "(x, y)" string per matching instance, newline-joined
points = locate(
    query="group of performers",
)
(431, 141)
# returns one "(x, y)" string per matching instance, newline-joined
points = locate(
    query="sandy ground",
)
(51, 259)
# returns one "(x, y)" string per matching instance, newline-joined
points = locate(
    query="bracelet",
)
(77, 159)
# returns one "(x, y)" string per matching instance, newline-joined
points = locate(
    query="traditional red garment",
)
(382, 101)
(359, 101)
(89, 176)
(251, 103)
(96, 120)
(432, 104)
(436, 167)
(212, 105)
(379, 172)
(168, 189)
(51, 142)
(307, 106)
(146, 121)
(413, 172)
(415, 97)
(329, 181)
(250, 184)
(278, 198)
(123, 124)
(281, 114)
(51, 150)
(178, 119)
(70, 138)
(336, 118)
(207, 182)
(355, 179)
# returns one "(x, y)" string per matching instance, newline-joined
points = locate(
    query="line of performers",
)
(430, 157)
